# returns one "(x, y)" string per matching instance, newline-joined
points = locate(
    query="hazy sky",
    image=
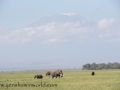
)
(47, 46)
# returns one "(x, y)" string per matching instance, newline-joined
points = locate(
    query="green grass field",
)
(72, 80)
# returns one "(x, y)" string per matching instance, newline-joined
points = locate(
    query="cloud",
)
(105, 29)
(106, 23)
(108, 30)
(69, 14)
(104, 35)
(52, 40)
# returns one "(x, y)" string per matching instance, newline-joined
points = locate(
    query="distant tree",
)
(94, 66)
(87, 66)
(100, 66)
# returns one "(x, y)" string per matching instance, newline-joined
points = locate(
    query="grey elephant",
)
(56, 73)
(48, 73)
(38, 76)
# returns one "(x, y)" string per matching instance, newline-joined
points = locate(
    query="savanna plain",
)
(72, 80)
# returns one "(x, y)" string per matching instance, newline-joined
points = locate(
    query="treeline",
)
(101, 66)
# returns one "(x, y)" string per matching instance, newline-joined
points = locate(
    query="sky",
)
(58, 45)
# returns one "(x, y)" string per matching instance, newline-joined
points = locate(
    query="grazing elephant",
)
(39, 76)
(48, 73)
(93, 73)
(56, 73)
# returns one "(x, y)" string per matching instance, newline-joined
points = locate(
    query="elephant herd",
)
(52, 73)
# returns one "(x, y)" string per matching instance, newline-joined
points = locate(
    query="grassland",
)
(72, 80)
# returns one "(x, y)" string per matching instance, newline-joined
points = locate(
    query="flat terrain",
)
(72, 80)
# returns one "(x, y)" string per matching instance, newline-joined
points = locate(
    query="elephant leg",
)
(56, 75)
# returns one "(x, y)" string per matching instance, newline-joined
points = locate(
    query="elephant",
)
(38, 76)
(93, 73)
(56, 73)
(48, 73)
